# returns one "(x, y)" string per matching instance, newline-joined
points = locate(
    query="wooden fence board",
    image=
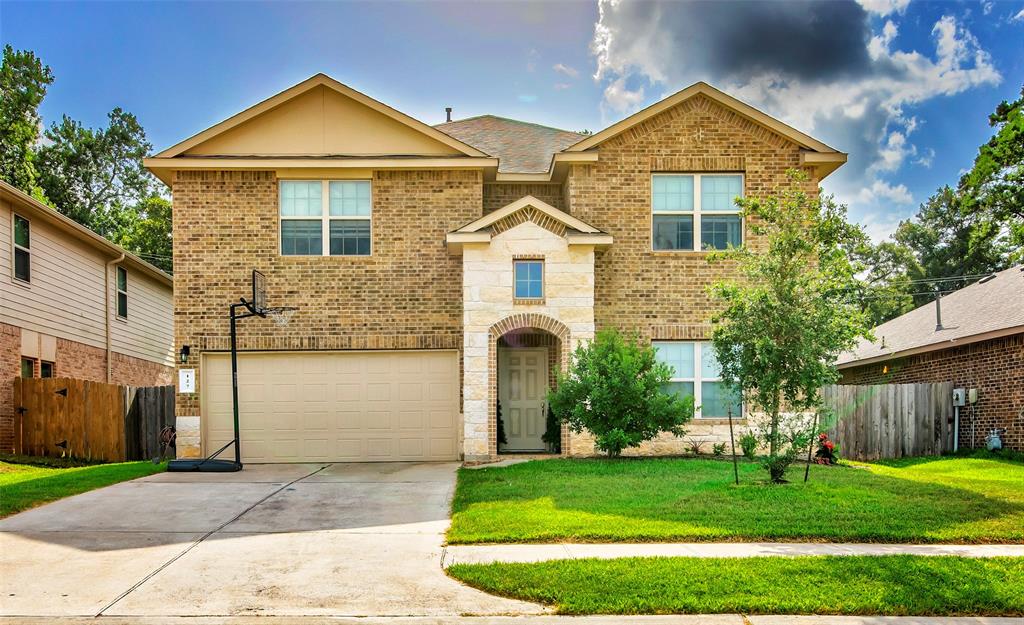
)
(891, 420)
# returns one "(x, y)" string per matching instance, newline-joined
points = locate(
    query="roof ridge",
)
(509, 119)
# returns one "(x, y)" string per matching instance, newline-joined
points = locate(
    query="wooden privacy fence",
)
(891, 420)
(90, 420)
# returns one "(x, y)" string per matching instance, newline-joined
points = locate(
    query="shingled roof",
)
(989, 307)
(521, 147)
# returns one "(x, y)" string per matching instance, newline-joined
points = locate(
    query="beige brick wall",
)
(10, 368)
(499, 194)
(406, 295)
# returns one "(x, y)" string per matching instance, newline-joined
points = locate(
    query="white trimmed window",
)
(325, 217)
(689, 206)
(696, 373)
(529, 279)
(22, 249)
(122, 292)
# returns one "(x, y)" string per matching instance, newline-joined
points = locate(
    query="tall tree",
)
(149, 232)
(95, 176)
(792, 311)
(23, 82)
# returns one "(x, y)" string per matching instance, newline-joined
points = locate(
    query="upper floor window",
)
(122, 292)
(696, 373)
(529, 279)
(22, 249)
(28, 367)
(687, 206)
(325, 218)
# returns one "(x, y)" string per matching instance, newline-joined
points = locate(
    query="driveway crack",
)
(199, 540)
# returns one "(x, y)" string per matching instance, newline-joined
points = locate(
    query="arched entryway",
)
(525, 354)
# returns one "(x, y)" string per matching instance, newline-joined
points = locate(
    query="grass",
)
(920, 500)
(24, 486)
(879, 585)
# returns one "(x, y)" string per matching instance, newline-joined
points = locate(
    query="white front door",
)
(523, 389)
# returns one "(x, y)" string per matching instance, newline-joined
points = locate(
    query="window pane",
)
(22, 265)
(708, 363)
(683, 389)
(301, 237)
(122, 305)
(27, 368)
(350, 238)
(122, 279)
(716, 399)
(719, 193)
(679, 356)
(301, 199)
(720, 231)
(673, 232)
(46, 369)
(22, 234)
(529, 279)
(350, 198)
(672, 193)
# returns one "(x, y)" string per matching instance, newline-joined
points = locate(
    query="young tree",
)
(791, 313)
(23, 82)
(614, 389)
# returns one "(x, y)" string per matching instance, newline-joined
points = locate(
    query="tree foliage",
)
(23, 83)
(613, 389)
(792, 311)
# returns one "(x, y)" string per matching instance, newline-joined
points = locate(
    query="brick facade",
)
(995, 367)
(73, 360)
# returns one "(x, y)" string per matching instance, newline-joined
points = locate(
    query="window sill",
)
(25, 284)
(718, 421)
(335, 257)
(528, 301)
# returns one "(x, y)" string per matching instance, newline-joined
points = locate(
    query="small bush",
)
(695, 445)
(718, 449)
(748, 443)
(613, 389)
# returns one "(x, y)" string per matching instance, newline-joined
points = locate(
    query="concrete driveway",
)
(287, 540)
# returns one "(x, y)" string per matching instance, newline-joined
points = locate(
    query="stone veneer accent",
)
(995, 367)
(491, 312)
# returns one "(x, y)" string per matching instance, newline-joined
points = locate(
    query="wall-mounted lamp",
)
(183, 354)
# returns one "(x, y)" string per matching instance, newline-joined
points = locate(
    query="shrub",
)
(828, 450)
(748, 443)
(552, 432)
(695, 445)
(614, 389)
(718, 449)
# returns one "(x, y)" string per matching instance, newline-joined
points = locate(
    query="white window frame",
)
(118, 291)
(325, 218)
(697, 210)
(697, 378)
(15, 247)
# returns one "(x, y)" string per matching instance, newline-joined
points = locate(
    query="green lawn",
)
(914, 500)
(882, 585)
(24, 486)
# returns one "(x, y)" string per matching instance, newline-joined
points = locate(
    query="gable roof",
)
(988, 308)
(521, 147)
(702, 88)
(319, 80)
(576, 231)
(562, 217)
(30, 207)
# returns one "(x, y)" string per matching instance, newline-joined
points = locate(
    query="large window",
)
(686, 207)
(122, 292)
(529, 279)
(325, 218)
(22, 249)
(696, 373)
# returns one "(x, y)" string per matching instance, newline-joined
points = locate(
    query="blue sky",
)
(904, 86)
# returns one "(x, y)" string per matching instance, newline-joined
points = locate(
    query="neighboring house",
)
(74, 305)
(973, 338)
(440, 269)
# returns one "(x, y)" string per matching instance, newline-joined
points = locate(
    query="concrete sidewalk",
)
(481, 554)
(683, 619)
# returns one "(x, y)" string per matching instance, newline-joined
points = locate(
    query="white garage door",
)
(335, 406)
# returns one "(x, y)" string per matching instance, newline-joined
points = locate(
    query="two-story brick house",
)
(443, 271)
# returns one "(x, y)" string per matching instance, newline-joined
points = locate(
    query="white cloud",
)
(857, 104)
(1018, 17)
(621, 99)
(884, 7)
(986, 7)
(569, 71)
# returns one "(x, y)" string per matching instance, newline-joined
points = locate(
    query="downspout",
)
(106, 309)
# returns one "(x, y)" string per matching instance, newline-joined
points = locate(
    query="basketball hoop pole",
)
(249, 312)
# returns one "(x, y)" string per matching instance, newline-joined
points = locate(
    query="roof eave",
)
(932, 347)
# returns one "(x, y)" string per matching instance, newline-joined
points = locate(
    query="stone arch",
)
(505, 326)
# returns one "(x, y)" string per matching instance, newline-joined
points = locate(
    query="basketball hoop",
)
(280, 315)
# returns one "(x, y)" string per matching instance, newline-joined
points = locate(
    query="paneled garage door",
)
(335, 406)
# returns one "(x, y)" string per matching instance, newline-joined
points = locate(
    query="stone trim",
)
(686, 164)
(521, 321)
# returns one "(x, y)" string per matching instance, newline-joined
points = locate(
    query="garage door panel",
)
(336, 406)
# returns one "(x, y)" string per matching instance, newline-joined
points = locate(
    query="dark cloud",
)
(810, 41)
